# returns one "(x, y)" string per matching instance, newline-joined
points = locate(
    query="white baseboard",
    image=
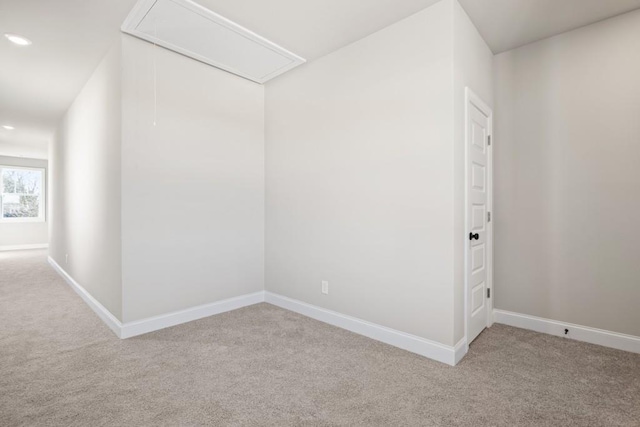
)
(577, 332)
(460, 350)
(105, 315)
(150, 324)
(24, 247)
(424, 347)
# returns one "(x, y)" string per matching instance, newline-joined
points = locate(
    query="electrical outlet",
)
(325, 287)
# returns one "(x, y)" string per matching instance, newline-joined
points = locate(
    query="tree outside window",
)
(22, 194)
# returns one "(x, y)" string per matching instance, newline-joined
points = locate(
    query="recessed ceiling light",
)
(19, 40)
(7, 127)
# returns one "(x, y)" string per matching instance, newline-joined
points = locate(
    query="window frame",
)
(42, 211)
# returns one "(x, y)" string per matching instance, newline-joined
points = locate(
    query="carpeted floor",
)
(60, 366)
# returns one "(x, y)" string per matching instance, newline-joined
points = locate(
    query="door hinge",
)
(488, 292)
(489, 141)
(488, 216)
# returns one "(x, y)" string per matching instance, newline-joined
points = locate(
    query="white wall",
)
(567, 155)
(159, 219)
(359, 173)
(473, 62)
(85, 186)
(19, 149)
(363, 178)
(192, 186)
(24, 233)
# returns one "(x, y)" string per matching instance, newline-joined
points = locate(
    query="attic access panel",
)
(199, 33)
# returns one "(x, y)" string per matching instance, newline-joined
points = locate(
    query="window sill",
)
(21, 220)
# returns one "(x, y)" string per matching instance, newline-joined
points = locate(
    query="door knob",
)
(474, 236)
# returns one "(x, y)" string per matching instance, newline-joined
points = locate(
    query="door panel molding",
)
(478, 254)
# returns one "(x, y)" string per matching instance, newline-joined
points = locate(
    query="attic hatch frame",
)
(144, 7)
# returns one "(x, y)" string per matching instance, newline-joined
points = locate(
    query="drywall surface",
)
(359, 173)
(24, 233)
(473, 61)
(20, 149)
(567, 197)
(84, 175)
(192, 185)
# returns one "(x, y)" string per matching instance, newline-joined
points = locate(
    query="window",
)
(22, 195)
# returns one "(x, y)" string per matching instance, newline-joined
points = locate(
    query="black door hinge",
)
(488, 292)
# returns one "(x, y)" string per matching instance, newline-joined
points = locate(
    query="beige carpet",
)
(60, 366)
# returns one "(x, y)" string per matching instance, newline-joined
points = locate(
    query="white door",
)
(478, 197)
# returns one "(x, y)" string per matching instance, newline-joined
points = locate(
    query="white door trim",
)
(471, 98)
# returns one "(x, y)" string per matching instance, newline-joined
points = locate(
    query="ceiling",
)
(38, 83)
(507, 24)
(314, 28)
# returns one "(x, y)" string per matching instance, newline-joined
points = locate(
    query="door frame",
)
(471, 98)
